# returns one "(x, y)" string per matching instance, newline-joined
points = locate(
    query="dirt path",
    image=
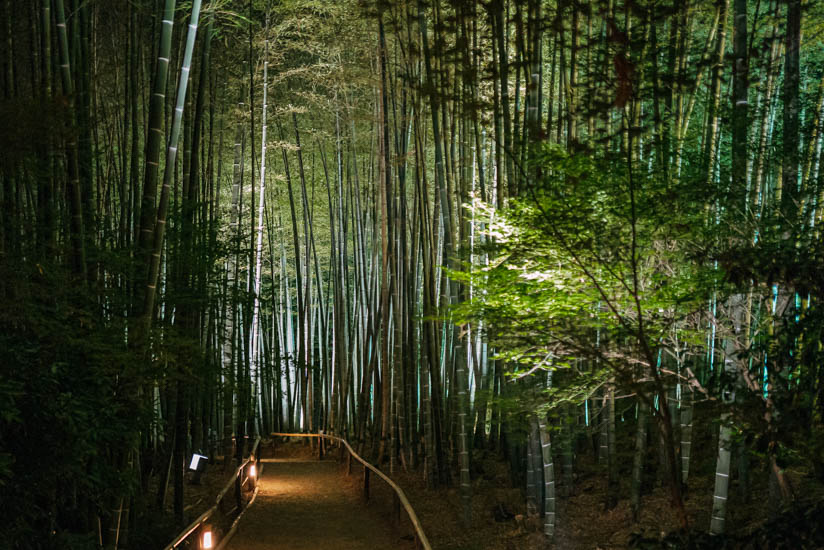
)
(304, 504)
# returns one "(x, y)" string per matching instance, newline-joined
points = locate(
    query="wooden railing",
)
(220, 519)
(399, 497)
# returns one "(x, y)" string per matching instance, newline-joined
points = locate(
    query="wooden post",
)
(366, 483)
(348, 463)
(238, 492)
(256, 464)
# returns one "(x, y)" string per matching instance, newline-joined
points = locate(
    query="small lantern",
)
(207, 542)
(198, 462)
(252, 470)
(197, 465)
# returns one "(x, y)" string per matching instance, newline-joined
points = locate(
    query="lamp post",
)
(197, 465)
(207, 541)
(252, 472)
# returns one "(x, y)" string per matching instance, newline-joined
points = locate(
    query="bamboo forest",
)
(450, 274)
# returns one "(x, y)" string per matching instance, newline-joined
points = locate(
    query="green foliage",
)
(66, 410)
(589, 269)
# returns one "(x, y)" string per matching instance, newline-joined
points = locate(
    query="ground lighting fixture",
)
(198, 462)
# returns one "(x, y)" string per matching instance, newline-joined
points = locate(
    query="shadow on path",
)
(305, 504)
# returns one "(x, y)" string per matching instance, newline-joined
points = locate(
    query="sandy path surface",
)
(304, 504)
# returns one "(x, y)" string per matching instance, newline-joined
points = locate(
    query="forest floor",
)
(306, 504)
(159, 529)
(584, 523)
(317, 499)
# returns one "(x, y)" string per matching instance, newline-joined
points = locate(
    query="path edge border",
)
(233, 529)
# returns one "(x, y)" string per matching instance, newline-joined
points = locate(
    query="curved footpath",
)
(306, 504)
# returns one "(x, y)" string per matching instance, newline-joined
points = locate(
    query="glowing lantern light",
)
(252, 471)
(198, 462)
(207, 540)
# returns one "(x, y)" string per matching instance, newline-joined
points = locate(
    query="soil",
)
(306, 504)
(201, 496)
(158, 528)
(584, 523)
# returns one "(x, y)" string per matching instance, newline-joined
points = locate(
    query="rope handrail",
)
(202, 518)
(410, 512)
